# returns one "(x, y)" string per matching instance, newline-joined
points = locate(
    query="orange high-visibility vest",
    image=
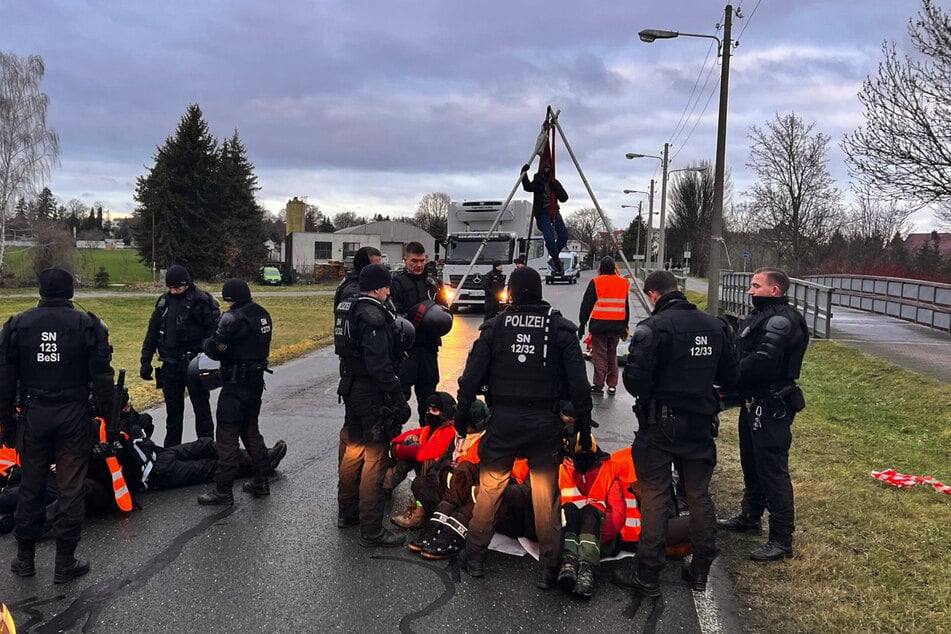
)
(623, 462)
(598, 493)
(612, 293)
(119, 488)
(8, 459)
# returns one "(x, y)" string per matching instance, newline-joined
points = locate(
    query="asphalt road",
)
(280, 563)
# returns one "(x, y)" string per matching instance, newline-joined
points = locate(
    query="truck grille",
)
(474, 281)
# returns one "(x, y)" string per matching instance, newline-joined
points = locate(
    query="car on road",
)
(571, 265)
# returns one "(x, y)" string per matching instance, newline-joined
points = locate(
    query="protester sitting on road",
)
(427, 448)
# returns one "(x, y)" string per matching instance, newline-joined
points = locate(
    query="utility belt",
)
(173, 359)
(652, 412)
(547, 404)
(244, 373)
(777, 402)
(79, 393)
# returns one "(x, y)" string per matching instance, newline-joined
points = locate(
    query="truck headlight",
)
(448, 293)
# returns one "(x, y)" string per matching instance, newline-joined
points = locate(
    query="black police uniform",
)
(242, 343)
(375, 408)
(177, 327)
(771, 344)
(420, 368)
(55, 353)
(530, 359)
(493, 284)
(677, 356)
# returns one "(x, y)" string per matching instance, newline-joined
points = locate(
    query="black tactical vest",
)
(752, 330)
(689, 353)
(347, 334)
(53, 354)
(255, 345)
(525, 360)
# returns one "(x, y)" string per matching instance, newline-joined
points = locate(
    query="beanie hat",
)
(444, 402)
(176, 275)
(607, 266)
(526, 285)
(362, 257)
(55, 283)
(235, 290)
(373, 277)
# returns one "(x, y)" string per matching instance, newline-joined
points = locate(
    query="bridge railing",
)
(813, 300)
(918, 301)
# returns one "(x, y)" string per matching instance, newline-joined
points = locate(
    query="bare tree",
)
(795, 198)
(28, 149)
(347, 219)
(432, 215)
(876, 217)
(691, 210)
(585, 225)
(905, 146)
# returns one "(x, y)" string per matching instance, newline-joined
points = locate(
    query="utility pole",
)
(662, 241)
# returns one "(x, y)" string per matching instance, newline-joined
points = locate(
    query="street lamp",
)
(640, 220)
(649, 256)
(716, 222)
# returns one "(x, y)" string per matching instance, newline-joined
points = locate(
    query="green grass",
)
(300, 324)
(869, 557)
(122, 265)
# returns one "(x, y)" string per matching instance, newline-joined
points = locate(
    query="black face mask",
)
(584, 461)
(433, 420)
(760, 301)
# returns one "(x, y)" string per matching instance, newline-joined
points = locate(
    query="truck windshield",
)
(462, 251)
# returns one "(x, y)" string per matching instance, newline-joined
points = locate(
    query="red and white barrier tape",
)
(894, 478)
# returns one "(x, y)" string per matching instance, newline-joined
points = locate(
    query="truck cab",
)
(571, 265)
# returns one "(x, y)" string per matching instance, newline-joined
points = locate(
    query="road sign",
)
(746, 255)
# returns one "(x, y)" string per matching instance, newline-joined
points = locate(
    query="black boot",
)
(23, 564)
(215, 497)
(695, 576)
(276, 453)
(630, 579)
(568, 573)
(67, 566)
(446, 544)
(257, 487)
(426, 536)
(741, 524)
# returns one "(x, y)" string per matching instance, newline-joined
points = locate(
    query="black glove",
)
(461, 421)
(581, 332)
(146, 372)
(526, 167)
(403, 412)
(583, 427)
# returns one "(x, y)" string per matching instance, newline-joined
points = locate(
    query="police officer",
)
(771, 345)
(183, 317)
(55, 353)
(413, 285)
(677, 356)
(350, 285)
(530, 359)
(375, 408)
(242, 343)
(493, 285)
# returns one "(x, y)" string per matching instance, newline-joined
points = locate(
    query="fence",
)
(917, 301)
(813, 300)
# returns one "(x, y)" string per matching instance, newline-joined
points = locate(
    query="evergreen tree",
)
(243, 247)
(45, 206)
(177, 198)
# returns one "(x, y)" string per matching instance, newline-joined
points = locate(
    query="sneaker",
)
(771, 551)
(597, 389)
(612, 390)
(412, 517)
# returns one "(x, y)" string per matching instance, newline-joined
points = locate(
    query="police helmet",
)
(431, 318)
(206, 371)
(405, 333)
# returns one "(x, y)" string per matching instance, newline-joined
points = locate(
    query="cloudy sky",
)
(366, 105)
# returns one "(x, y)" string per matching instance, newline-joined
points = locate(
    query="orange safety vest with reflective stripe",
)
(8, 459)
(119, 488)
(598, 493)
(612, 293)
(623, 463)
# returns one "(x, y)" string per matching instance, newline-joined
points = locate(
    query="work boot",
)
(771, 551)
(695, 576)
(23, 564)
(67, 566)
(446, 544)
(741, 524)
(584, 586)
(216, 498)
(547, 579)
(275, 454)
(473, 565)
(258, 488)
(412, 517)
(630, 579)
(568, 573)
(385, 539)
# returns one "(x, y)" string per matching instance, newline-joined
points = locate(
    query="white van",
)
(571, 263)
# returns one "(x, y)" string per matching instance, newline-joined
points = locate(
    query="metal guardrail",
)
(918, 301)
(813, 300)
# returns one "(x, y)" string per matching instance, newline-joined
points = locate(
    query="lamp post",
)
(640, 219)
(650, 221)
(716, 222)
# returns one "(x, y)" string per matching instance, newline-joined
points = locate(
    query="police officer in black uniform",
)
(493, 285)
(242, 343)
(409, 288)
(350, 285)
(771, 346)
(677, 355)
(55, 353)
(183, 317)
(365, 339)
(530, 359)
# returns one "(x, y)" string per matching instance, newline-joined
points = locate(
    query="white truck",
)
(469, 223)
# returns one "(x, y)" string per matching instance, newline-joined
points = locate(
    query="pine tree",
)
(178, 199)
(242, 218)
